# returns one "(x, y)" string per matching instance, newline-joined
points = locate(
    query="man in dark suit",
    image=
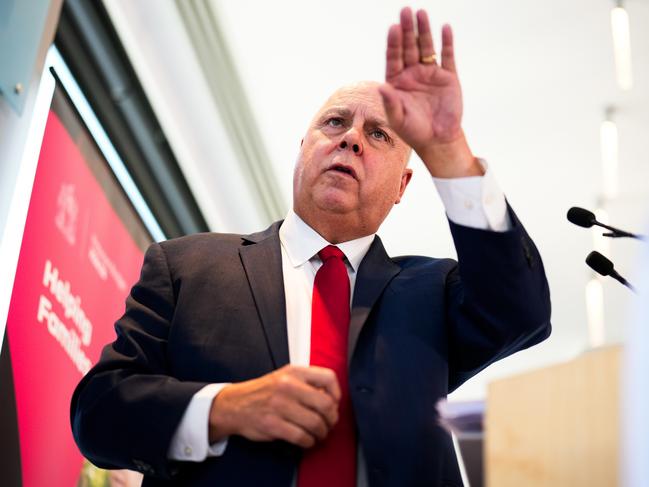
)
(239, 360)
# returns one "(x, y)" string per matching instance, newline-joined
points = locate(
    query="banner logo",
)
(68, 209)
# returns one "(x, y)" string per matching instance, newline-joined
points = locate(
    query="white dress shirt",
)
(475, 202)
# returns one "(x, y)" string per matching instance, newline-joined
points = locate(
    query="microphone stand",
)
(623, 281)
(616, 233)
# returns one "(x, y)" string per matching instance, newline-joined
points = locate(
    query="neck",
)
(336, 228)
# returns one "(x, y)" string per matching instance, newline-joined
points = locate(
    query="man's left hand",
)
(423, 98)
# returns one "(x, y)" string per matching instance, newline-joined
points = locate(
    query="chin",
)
(335, 202)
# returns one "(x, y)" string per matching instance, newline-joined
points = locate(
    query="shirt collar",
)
(302, 243)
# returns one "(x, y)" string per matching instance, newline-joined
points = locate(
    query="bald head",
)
(362, 89)
(351, 168)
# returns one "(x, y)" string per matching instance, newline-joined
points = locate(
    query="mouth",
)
(343, 169)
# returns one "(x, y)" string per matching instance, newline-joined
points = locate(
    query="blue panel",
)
(21, 28)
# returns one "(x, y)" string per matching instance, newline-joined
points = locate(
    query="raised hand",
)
(423, 98)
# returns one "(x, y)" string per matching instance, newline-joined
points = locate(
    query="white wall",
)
(536, 78)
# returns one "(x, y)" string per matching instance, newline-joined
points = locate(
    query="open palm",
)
(423, 99)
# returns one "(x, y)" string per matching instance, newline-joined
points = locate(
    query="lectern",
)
(558, 426)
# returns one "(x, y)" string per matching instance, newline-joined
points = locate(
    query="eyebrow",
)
(347, 113)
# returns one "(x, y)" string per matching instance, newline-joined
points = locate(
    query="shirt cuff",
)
(190, 442)
(475, 201)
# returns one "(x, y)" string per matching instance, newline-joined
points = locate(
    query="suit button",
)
(364, 389)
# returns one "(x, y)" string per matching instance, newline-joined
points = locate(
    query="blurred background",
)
(198, 108)
(540, 80)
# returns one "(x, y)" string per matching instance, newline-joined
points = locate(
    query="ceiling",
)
(536, 77)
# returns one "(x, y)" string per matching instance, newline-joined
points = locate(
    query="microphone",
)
(581, 217)
(584, 218)
(603, 266)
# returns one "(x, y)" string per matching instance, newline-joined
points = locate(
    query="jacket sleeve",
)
(498, 299)
(125, 411)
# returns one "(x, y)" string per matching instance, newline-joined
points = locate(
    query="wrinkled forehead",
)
(363, 98)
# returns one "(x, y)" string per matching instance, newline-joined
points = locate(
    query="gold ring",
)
(428, 59)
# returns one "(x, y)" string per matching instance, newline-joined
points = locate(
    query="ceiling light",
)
(622, 47)
(609, 149)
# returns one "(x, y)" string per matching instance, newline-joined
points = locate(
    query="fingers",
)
(295, 404)
(315, 388)
(307, 398)
(448, 54)
(425, 37)
(321, 378)
(307, 419)
(303, 393)
(410, 50)
(407, 46)
(319, 402)
(394, 53)
(279, 429)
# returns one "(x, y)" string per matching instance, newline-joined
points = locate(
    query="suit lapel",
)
(261, 257)
(374, 274)
(262, 252)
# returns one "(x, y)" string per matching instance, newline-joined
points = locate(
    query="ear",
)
(405, 179)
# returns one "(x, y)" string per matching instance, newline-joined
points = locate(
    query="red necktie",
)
(331, 462)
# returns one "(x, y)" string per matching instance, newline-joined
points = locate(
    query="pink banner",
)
(76, 264)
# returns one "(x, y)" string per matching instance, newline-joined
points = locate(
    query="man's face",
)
(351, 165)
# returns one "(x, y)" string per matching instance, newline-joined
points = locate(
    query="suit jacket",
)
(210, 308)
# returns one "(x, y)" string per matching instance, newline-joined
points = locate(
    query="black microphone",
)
(586, 219)
(603, 266)
(581, 217)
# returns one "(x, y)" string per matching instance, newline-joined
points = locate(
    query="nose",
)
(352, 140)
